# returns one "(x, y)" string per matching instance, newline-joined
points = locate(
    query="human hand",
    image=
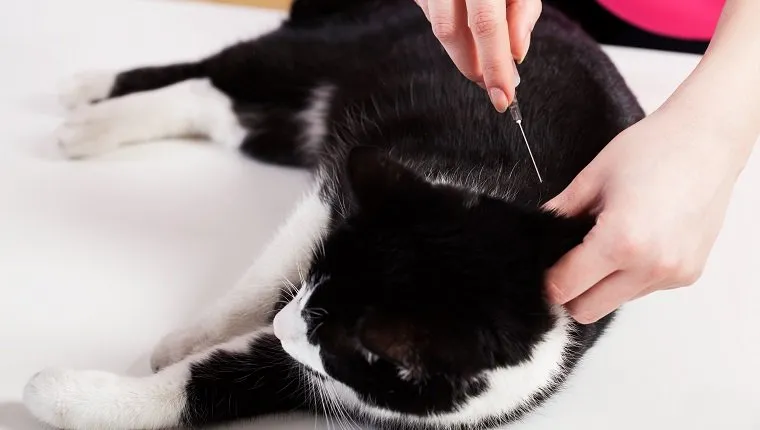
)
(484, 38)
(660, 190)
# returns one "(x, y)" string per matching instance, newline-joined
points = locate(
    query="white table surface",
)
(98, 259)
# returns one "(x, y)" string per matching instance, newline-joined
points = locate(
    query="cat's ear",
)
(395, 342)
(375, 179)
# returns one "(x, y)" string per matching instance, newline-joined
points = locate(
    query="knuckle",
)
(444, 30)
(665, 269)
(688, 275)
(492, 69)
(676, 272)
(628, 246)
(484, 23)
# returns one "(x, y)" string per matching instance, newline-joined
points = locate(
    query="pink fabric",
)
(684, 19)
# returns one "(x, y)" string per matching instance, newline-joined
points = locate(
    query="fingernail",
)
(527, 46)
(517, 74)
(498, 99)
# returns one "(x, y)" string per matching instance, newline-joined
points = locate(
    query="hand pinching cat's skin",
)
(412, 272)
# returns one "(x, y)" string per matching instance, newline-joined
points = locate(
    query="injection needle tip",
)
(532, 159)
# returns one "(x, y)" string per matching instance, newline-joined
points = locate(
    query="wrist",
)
(725, 115)
(705, 134)
(722, 95)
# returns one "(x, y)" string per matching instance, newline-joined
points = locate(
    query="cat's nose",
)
(287, 325)
(277, 326)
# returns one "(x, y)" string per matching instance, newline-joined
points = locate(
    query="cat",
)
(406, 290)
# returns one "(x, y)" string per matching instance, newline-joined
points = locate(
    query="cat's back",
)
(573, 99)
(398, 89)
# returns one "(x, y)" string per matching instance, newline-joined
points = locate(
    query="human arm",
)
(661, 188)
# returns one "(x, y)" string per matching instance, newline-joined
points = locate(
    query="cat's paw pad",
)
(85, 88)
(63, 398)
(176, 346)
(94, 130)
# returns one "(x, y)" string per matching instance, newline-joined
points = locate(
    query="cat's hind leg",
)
(190, 108)
(246, 377)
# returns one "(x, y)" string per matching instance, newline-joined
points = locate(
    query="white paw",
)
(67, 399)
(178, 345)
(96, 129)
(85, 88)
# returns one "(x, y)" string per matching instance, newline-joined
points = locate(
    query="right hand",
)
(484, 38)
(660, 191)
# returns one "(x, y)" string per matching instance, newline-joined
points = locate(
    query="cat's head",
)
(424, 289)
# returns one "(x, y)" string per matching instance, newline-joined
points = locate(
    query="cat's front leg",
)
(250, 303)
(248, 376)
(185, 109)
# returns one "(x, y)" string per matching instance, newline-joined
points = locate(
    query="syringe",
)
(514, 112)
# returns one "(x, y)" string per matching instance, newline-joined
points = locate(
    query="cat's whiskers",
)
(291, 290)
(340, 418)
(325, 407)
(342, 408)
(301, 277)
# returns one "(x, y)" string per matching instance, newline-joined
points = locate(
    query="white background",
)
(98, 259)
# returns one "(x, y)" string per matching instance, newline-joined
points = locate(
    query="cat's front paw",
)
(178, 345)
(96, 129)
(85, 88)
(87, 133)
(66, 399)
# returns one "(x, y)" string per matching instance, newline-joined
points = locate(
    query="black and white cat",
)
(406, 290)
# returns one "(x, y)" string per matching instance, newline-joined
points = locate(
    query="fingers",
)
(577, 271)
(423, 4)
(476, 35)
(487, 20)
(448, 19)
(580, 197)
(606, 296)
(522, 16)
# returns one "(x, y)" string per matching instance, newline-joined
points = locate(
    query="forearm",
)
(723, 92)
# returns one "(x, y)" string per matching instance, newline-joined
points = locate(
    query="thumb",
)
(580, 197)
(423, 4)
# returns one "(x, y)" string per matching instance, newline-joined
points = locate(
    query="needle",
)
(514, 111)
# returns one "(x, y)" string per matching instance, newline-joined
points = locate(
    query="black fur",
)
(444, 281)
(220, 388)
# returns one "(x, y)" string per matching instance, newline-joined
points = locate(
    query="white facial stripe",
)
(290, 327)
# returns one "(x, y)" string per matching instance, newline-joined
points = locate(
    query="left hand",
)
(484, 38)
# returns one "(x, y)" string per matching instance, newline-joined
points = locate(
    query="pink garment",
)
(683, 19)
